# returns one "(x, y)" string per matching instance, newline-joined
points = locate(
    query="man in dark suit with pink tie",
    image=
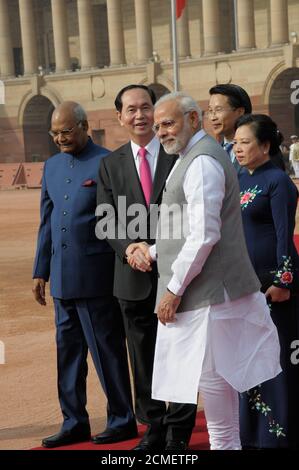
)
(138, 171)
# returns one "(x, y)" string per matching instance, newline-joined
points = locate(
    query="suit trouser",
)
(95, 324)
(141, 329)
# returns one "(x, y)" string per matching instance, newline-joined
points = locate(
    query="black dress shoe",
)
(174, 446)
(63, 438)
(147, 446)
(111, 435)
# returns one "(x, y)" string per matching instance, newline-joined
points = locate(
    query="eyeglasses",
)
(167, 125)
(217, 111)
(65, 132)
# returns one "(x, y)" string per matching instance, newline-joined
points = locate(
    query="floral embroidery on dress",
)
(259, 405)
(284, 275)
(248, 196)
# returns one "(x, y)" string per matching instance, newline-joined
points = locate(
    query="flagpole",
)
(174, 46)
(236, 25)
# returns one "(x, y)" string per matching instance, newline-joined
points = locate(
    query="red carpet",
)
(199, 440)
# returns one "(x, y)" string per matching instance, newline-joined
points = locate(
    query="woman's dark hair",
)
(264, 129)
(119, 102)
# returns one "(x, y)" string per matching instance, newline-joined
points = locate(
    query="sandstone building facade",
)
(86, 50)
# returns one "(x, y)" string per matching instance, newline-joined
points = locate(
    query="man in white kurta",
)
(214, 335)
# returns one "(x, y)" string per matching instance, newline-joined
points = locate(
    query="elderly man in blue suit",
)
(80, 268)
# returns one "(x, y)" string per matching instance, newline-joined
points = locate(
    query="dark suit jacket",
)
(79, 265)
(118, 177)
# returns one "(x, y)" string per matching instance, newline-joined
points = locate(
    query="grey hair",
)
(80, 113)
(186, 102)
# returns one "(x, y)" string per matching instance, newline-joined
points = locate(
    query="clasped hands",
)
(139, 258)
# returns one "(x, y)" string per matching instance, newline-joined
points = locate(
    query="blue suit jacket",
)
(78, 264)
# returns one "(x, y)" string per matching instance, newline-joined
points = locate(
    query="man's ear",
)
(240, 111)
(85, 125)
(118, 115)
(194, 118)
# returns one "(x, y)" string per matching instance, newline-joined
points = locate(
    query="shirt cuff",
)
(153, 252)
(175, 287)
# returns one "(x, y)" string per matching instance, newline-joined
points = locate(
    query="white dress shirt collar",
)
(230, 151)
(152, 148)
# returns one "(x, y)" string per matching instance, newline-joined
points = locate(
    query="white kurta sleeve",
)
(204, 188)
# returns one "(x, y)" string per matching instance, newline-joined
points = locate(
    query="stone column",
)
(143, 30)
(60, 33)
(6, 56)
(183, 34)
(211, 25)
(279, 22)
(245, 18)
(116, 33)
(87, 34)
(28, 34)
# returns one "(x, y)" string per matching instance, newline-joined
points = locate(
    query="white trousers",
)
(221, 405)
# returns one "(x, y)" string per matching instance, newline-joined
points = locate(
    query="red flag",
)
(180, 5)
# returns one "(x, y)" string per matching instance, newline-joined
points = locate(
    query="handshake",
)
(138, 256)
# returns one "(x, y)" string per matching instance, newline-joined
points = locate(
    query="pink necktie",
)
(145, 175)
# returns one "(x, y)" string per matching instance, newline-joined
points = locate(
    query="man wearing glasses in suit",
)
(80, 267)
